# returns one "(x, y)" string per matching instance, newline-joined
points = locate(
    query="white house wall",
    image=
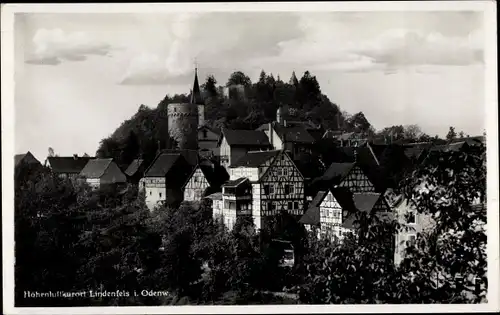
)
(155, 191)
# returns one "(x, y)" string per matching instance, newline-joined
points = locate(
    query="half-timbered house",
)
(99, 173)
(277, 184)
(332, 213)
(348, 176)
(234, 144)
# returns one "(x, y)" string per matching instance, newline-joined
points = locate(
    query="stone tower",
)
(183, 120)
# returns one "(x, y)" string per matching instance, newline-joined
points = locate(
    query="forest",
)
(147, 131)
(71, 238)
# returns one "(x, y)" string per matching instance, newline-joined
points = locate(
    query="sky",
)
(78, 76)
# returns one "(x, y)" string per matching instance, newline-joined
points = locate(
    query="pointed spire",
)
(195, 93)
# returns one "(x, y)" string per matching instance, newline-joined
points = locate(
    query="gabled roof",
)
(318, 198)
(337, 171)
(246, 138)
(255, 158)
(295, 134)
(205, 127)
(235, 182)
(95, 168)
(134, 167)
(215, 174)
(311, 217)
(162, 165)
(191, 156)
(364, 202)
(27, 157)
(67, 164)
(215, 196)
(18, 158)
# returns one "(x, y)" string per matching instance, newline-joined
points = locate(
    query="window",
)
(411, 219)
(296, 205)
(412, 239)
(271, 206)
(266, 189)
(285, 172)
(159, 194)
(290, 205)
(144, 184)
(150, 192)
(271, 189)
(205, 134)
(175, 110)
(287, 189)
(279, 171)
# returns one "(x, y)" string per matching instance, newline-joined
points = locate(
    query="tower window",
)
(205, 134)
(175, 110)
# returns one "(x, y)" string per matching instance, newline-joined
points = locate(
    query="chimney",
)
(75, 156)
(271, 134)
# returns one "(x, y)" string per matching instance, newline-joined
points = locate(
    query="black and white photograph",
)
(252, 157)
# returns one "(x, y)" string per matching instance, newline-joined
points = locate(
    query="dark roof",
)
(95, 168)
(162, 164)
(295, 134)
(215, 196)
(18, 158)
(191, 156)
(214, 130)
(235, 182)
(365, 201)
(311, 216)
(263, 127)
(67, 164)
(255, 158)
(318, 198)
(317, 134)
(337, 171)
(134, 167)
(245, 137)
(215, 174)
(22, 157)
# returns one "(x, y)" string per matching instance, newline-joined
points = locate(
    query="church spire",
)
(195, 93)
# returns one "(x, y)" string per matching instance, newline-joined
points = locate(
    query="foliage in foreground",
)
(69, 238)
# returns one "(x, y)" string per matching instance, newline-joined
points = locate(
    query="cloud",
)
(221, 41)
(400, 47)
(52, 46)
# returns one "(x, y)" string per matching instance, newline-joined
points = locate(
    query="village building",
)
(27, 158)
(164, 179)
(234, 144)
(333, 213)
(135, 171)
(236, 201)
(207, 140)
(99, 173)
(206, 178)
(68, 167)
(348, 176)
(277, 184)
(215, 203)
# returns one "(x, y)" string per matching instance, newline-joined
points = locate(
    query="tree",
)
(358, 123)
(412, 132)
(451, 134)
(449, 188)
(210, 86)
(461, 135)
(238, 78)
